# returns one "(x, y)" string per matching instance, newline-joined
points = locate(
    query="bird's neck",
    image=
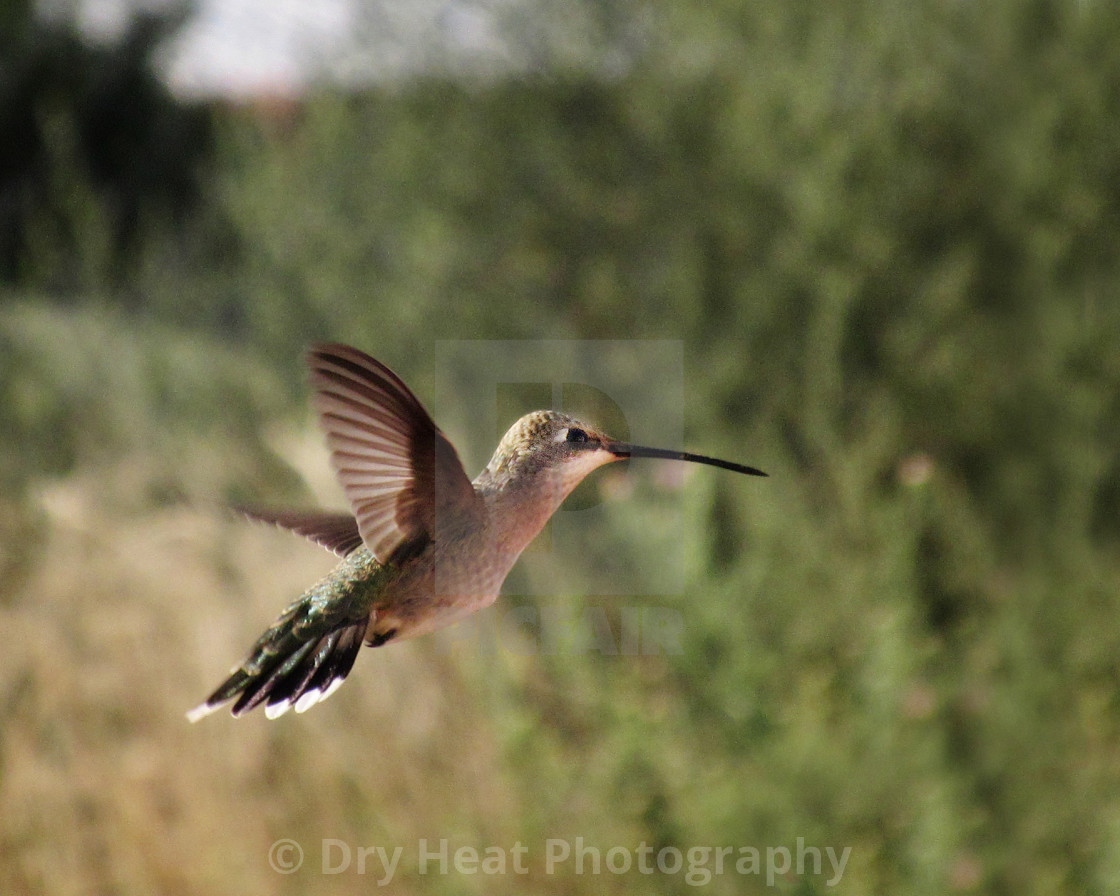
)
(518, 511)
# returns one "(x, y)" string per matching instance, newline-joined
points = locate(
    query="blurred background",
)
(886, 238)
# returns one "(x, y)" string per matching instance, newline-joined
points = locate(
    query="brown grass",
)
(123, 619)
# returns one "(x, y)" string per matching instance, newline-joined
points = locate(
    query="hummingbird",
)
(423, 545)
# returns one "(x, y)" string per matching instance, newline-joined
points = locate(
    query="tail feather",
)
(285, 669)
(335, 666)
(292, 685)
(264, 686)
(316, 676)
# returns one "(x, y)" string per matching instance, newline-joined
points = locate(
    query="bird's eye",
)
(576, 435)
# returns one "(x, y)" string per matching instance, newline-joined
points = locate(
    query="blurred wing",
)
(336, 532)
(399, 472)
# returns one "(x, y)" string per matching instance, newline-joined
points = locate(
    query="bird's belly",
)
(436, 594)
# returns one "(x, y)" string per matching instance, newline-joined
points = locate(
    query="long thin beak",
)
(621, 449)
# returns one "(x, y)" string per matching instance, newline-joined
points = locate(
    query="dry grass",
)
(124, 619)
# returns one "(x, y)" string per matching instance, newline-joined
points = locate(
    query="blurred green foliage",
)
(886, 236)
(95, 157)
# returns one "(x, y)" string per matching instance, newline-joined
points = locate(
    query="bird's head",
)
(548, 448)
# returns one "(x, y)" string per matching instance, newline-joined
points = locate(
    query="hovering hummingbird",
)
(425, 546)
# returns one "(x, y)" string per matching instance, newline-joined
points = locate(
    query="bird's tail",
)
(285, 670)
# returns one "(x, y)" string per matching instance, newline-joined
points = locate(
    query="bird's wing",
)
(336, 532)
(399, 472)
